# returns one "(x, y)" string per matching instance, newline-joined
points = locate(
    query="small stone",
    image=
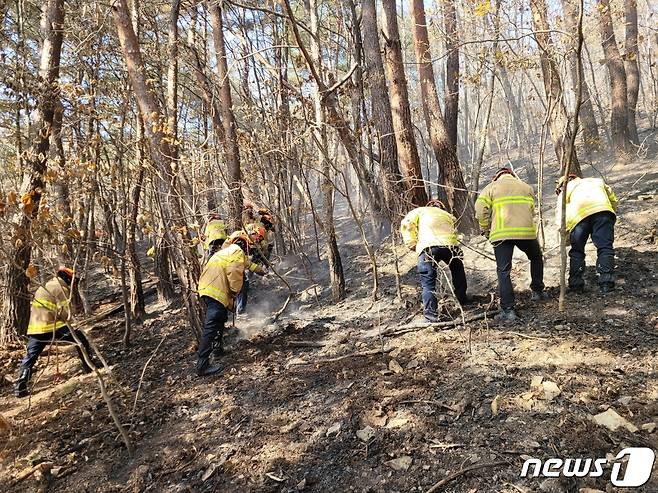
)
(333, 429)
(625, 400)
(649, 427)
(400, 464)
(366, 434)
(394, 366)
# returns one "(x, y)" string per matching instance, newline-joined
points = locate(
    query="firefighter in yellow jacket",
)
(591, 207)
(505, 212)
(431, 232)
(220, 282)
(49, 316)
(214, 234)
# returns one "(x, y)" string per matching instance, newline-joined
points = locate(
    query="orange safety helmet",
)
(256, 232)
(501, 172)
(240, 238)
(436, 203)
(66, 273)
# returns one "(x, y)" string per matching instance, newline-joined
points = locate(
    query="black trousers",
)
(601, 227)
(504, 251)
(216, 317)
(36, 343)
(428, 262)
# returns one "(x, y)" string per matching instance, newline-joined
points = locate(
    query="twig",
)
(306, 344)
(527, 336)
(141, 378)
(455, 475)
(340, 358)
(424, 401)
(450, 323)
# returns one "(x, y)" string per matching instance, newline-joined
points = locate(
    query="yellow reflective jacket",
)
(505, 210)
(425, 227)
(223, 275)
(50, 307)
(585, 196)
(215, 230)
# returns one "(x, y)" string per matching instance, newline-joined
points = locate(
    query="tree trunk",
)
(228, 120)
(382, 118)
(618, 85)
(17, 299)
(335, 263)
(632, 67)
(591, 139)
(176, 234)
(558, 120)
(401, 109)
(444, 149)
(452, 70)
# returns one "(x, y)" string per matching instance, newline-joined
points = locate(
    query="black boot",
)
(21, 390)
(203, 368)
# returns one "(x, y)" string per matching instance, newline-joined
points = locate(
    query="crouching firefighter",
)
(220, 283)
(49, 315)
(591, 206)
(505, 211)
(431, 231)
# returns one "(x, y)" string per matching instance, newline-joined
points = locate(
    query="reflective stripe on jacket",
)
(215, 230)
(505, 210)
(425, 227)
(50, 307)
(585, 196)
(222, 275)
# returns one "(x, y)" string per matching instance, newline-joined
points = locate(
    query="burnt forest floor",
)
(285, 412)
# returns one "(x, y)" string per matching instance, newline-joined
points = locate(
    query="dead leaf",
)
(394, 366)
(611, 420)
(333, 429)
(209, 472)
(366, 434)
(536, 381)
(31, 271)
(400, 464)
(551, 390)
(274, 478)
(397, 422)
(495, 405)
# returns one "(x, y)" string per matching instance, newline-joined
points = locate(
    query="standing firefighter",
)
(591, 206)
(220, 282)
(214, 234)
(49, 317)
(431, 232)
(505, 211)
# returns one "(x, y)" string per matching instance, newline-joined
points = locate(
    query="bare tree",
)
(228, 118)
(631, 64)
(17, 299)
(558, 120)
(590, 134)
(382, 118)
(452, 70)
(404, 131)
(175, 229)
(618, 85)
(444, 149)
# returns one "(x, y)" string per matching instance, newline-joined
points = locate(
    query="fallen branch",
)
(434, 403)
(340, 358)
(434, 325)
(306, 344)
(461, 472)
(527, 336)
(141, 378)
